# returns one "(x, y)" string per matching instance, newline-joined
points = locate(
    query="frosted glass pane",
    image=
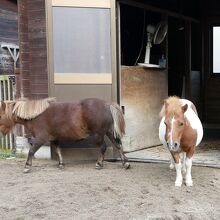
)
(216, 49)
(81, 39)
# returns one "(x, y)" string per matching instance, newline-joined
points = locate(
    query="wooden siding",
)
(33, 48)
(8, 34)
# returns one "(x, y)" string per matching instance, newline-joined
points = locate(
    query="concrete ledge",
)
(69, 153)
(77, 154)
(22, 147)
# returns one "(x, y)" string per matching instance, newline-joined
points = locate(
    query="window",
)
(216, 49)
(82, 45)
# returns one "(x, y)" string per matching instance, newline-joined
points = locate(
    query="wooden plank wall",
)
(33, 48)
(8, 33)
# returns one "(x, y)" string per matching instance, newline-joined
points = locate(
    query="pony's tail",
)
(118, 120)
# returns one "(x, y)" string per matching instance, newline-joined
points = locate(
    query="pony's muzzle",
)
(173, 146)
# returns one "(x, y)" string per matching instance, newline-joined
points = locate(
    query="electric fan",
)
(155, 35)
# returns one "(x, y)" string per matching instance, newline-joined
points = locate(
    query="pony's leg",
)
(172, 163)
(118, 144)
(124, 159)
(33, 149)
(99, 163)
(179, 178)
(55, 144)
(99, 141)
(178, 166)
(188, 177)
(59, 153)
(184, 163)
(189, 156)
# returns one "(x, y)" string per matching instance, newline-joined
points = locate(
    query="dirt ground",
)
(146, 191)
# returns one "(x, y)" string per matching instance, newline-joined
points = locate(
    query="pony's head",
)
(6, 119)
(175, 122)
(23, 108)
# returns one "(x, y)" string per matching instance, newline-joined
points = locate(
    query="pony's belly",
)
(196, 124)
(69, 133)
(73, 137)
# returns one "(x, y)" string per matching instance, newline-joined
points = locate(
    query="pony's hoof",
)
(172, 166)
(126, 165)
(189, 183)
(98, 166)
(27, 170)
(61, 166)
(178, 184)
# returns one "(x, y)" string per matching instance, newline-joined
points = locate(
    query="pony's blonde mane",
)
(173, 105)
(27, 109)
(9, 105)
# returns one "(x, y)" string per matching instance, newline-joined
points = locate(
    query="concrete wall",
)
(142, 93)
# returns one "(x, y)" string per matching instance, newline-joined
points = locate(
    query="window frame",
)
(211, 46)
(82, 79)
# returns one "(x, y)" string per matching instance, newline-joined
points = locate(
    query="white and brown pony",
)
(180, 131)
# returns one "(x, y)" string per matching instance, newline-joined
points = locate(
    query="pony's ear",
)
(3, 106)
(184, 108)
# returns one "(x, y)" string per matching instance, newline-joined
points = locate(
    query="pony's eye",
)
(165, 123)
(181, 123)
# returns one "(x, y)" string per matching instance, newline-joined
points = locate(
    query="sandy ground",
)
(146, 191)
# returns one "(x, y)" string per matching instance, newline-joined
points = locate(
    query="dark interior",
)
(187, 48)
(134, 21)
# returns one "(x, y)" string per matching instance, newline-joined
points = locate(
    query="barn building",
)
(75, 49)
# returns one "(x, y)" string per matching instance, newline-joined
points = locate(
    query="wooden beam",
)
(188, 65)
(158, 10)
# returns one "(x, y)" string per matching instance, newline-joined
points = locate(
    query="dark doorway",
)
(176, 56)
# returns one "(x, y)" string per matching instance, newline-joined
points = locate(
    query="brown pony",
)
(180, 131)
(47, 120)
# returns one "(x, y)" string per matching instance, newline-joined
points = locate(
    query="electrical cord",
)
(143, 33)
